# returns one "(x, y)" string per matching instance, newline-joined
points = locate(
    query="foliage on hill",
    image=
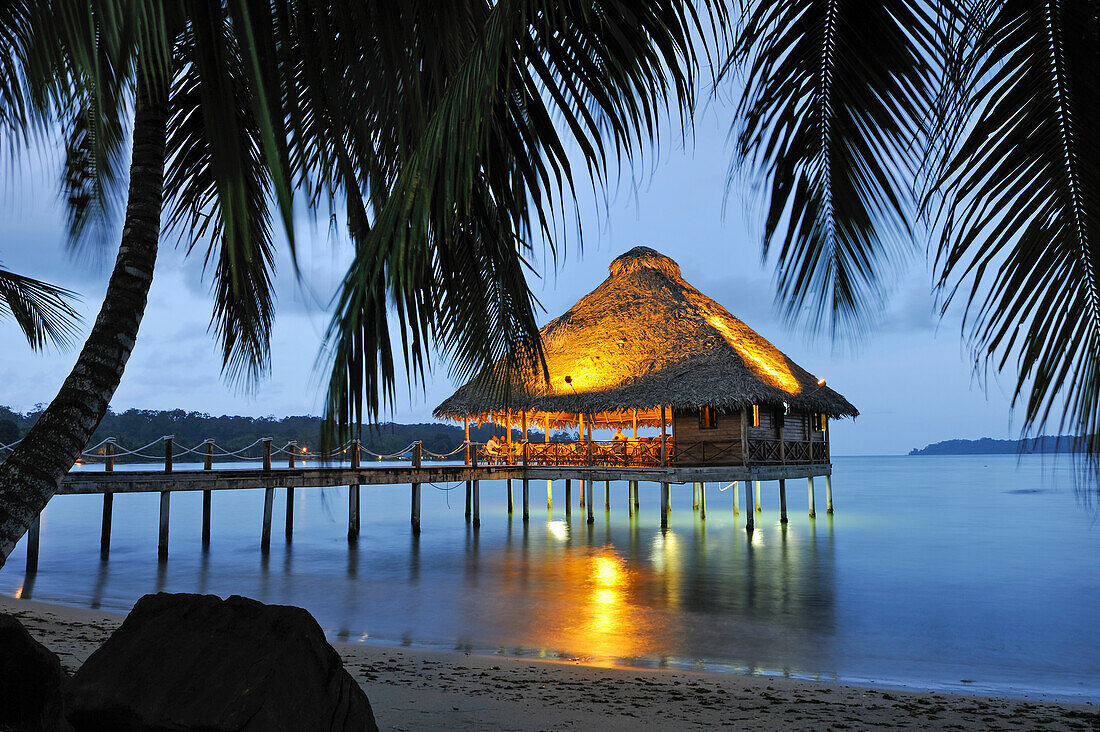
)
(136, 427)
(989, 446)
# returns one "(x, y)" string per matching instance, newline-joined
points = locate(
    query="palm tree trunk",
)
(34, 471)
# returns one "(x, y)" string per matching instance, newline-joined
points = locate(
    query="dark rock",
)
(182, 662)
(32, 682)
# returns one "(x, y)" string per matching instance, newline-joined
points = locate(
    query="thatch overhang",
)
(643, 339)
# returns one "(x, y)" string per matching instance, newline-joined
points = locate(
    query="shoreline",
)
(419, 688)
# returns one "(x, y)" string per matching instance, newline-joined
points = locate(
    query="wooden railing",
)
(646, 453)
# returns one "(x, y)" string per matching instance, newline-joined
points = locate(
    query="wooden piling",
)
(828, 494)
(526, 500)
(265, 533)
(782, 501)
(165, 502)
(694, 496)
(267, 454)
(607, 495)
(591, 518)
(291, 453)
(289, 531)
(748, 507)
(477, 504)
(207, 464)
(664, 505)
(108, 502)
(630, 498)
(735, 487)
(416, 459)
(810, 490)
(549, 495)
(162, 545)
(34, 535)
(470, 490)
(568, 497)
(635, 496)
(756, 487)
(509, 489)
(702, 501)
(353, 496)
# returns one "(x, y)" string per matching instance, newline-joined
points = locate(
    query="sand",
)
(414, 689)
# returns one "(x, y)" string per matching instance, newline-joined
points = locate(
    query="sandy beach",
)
(413, 689)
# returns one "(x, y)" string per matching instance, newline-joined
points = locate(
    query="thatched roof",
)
(646, 338)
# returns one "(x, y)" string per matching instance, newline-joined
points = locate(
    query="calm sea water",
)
(969, 573)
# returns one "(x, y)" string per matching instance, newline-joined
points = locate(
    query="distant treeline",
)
(137, 427)
(989, 446)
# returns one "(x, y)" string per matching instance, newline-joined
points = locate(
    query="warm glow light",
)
(821, 382)
(558, 530)
(607, 571)
(605, 596)
(765, 360)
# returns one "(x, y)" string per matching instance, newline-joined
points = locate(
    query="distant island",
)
(989, 446)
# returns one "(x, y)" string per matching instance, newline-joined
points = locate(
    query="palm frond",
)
(484, 103)
(831, 126)
(1020, 215)
(44, 312)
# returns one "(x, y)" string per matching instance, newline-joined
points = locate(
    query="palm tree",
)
(356, 104)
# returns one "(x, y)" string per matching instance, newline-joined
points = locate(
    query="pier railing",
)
(646, 453)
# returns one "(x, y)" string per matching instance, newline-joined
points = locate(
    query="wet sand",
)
(413, 689)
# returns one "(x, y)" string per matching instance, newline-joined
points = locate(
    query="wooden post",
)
(748, 506)
(568, 496)
(549, 495)
(630, 498)
(466, 429)
(782, 501)
(756, 487)
(353, 496)
(664, 450)
(635, 496)
(168, 441)
(508, 487)
(165, 503)
(526, 500)
(417, 456)
(829, 494)
(162, 545)
(470, 490)
(265, 533)
(664, 505)
(694, 496)
(267, 454)
(108, 501)
(34, 534)
(635, 424)
(546, 434)
(810, 490)
(523, 418)
(475, 497)
(607, 495)
(702, 501)
(735, 487)
(291, 453)
(207, 464)
(591, 518)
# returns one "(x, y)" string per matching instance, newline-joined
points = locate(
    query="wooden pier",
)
(290, 474)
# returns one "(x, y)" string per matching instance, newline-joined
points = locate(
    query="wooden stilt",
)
(756, 487)
(702, 501)
(477, 504)
(509, 484)
(417, 456)
(664, 505)
(810, 490)
(353, 497)
(265, 535)
(162, 545)
(782, 501)
(469, 496)
(289, 514)
(591, 518)
(568, 496)
(694, 496)
(526, 499)
(549, 495)
(635, 496)
(34, 535)
(208, 464)
(630, 498)
(607, 495)
(748, 506)
(828, 494)
(108, 502)
(735, 488)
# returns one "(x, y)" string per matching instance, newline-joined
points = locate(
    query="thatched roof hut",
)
(644, 339)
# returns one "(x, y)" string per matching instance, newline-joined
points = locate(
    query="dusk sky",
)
(911, 377)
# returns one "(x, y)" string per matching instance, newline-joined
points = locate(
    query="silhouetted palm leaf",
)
(44, 312)
(831, 125)
(1021, 208)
